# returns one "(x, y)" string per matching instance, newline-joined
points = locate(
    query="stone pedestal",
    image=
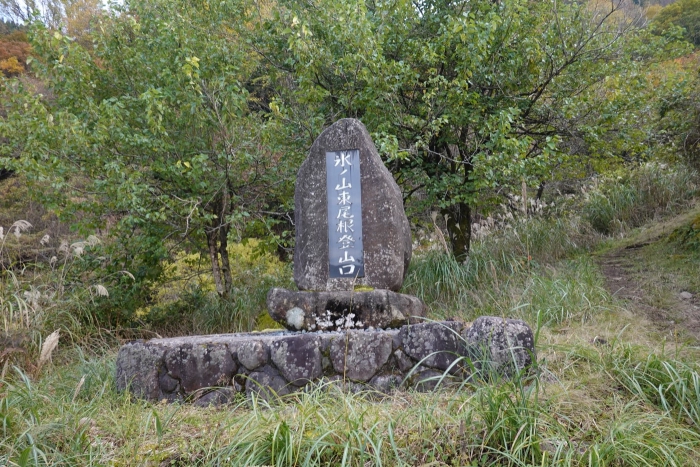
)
(333, 311)
(213, 369)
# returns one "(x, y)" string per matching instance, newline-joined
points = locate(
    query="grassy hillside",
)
(615, 310)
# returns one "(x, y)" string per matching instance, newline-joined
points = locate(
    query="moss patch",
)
(265, 322)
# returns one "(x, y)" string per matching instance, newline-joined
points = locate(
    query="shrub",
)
(185, 300)
(18, 50)
(11, 67)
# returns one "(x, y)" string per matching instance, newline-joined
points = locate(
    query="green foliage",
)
(676, 134)
(637, 196)
(184, 300)
(156, 138)
(684, 14)
(468, 98)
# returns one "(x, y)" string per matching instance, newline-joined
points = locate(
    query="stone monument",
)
(347, 323)
(353, 240)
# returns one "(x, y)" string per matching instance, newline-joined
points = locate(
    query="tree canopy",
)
(180, 124)
(464, 97)
(151, 135)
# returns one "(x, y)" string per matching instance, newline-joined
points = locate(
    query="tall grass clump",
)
(629, 200)
(51, 420)
(499, 424)
(543, 240)
(668, 383)
(573, 292)
(517, 271)
(644, 440)
(44, 291)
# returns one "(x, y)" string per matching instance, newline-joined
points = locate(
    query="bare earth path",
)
(655, 280)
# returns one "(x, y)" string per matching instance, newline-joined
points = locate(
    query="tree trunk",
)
(223, 244)
(212, 242)
(540, 190)
(459, 227)
(225, 266)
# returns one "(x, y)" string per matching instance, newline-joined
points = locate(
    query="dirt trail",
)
(634, 274)
(675, 316)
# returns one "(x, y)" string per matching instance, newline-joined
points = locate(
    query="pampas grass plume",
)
(101, 290)
(20, 226)
(47, 348)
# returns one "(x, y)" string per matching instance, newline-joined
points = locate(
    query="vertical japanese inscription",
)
(345, 253)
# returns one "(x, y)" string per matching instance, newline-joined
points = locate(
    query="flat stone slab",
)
(335, 311)
(214, 369)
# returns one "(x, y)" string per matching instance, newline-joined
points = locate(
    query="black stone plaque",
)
(345, 253)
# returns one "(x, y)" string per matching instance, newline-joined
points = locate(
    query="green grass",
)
(668, 383)
(522, 273)
(58, 421)
(609, 388)
(638, 196)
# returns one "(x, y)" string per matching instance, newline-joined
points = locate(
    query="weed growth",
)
(688, 235)
(639, 195)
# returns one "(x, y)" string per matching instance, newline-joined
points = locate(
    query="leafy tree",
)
(464, 98)
(8, 27)
(683, 13)
(679, 110)
(81, 18)
(152, 135)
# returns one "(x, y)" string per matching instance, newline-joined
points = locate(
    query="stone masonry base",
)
(213, 369)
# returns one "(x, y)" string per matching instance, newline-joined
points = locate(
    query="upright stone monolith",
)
(323, 214)
(353, 240)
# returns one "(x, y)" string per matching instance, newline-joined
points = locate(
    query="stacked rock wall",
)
(213, 369)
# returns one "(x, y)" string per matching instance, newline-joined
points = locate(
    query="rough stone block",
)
(298, 358)
(435, 345)
(428, 379)
(139, 365)
(199, 366)
(219, 396)
(360, 355)
(330, 311)
(386, 383)
(403, 361)
(207, 370)
(267, 383)
(253, 354)
(500, 345)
